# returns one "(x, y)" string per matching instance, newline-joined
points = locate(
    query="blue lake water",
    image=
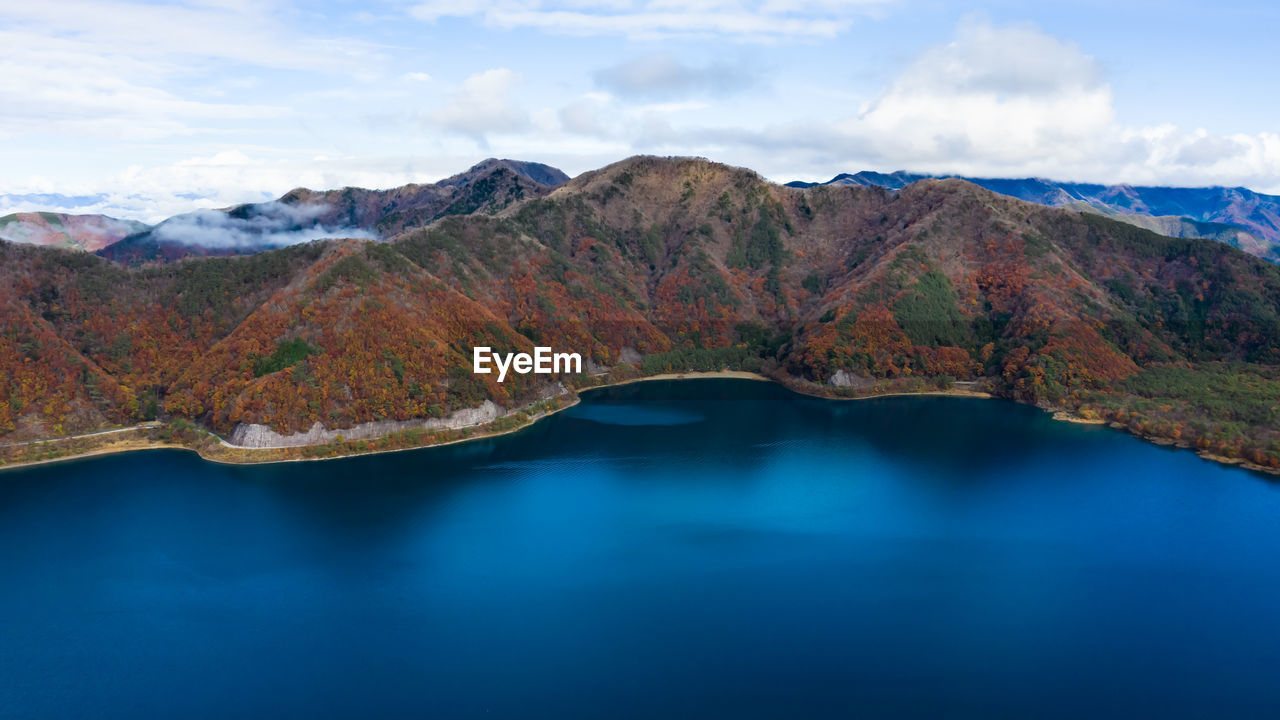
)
(703, 548)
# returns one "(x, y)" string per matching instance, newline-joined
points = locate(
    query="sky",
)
(148, 109)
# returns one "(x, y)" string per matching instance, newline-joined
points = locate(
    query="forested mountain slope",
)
(655, 264)
(1237, 216)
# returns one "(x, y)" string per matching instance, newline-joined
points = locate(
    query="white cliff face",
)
(844, 378)
(250, 435)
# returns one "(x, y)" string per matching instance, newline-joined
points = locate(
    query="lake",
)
(709, 548)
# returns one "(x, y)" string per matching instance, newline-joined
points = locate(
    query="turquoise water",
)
(702, 548)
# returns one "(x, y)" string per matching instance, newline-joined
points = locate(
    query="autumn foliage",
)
(686, 261)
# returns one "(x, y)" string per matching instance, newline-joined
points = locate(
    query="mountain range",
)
(302, 214)
(1237, 216)
(645, 266)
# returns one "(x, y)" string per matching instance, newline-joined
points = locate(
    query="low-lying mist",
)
(267, 224)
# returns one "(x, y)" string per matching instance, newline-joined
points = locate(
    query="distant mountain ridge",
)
(302, 214)
(80, 232)
(1237, 216)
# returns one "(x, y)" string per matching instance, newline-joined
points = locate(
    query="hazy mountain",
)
(80, 232)
(1238, 216)
(302, 215)
(647, 265)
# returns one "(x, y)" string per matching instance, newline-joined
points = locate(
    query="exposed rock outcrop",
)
(844, 378)
(250, 435)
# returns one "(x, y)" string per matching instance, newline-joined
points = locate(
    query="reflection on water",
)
(632, 415)
(710, 548)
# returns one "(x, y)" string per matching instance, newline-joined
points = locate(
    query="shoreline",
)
(1064, 416)
(692, 375)
(128, 446)
(116, 448)
(482, 436)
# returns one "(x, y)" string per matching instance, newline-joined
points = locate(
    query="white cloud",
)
(995, 101)
(483, 105)
(218, 102)
(255, 33)
(63, 86)
(271, 224)
(585, 116)
(153, 193)
(143, 71)
(753, 20)
(662, 75)
(629, 128)
(1014, 100)
(998, 95)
